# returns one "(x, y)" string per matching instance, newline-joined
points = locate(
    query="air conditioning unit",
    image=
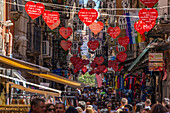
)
(46, 48)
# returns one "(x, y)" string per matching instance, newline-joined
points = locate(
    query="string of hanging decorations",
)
(75, 11)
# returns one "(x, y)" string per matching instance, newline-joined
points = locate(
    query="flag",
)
(99, 80)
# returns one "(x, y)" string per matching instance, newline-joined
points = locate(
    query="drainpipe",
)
(4, 28)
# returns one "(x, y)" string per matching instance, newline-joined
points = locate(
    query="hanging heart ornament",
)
(51, 18)
(149, 3)
(65, 32)
(139, 26)
(34, 10)
(93, 45)
(98, 60)
(66, 44)
(96, 27)
(148, 16)
(88, 16)
(113, 32)
(124, 41)
(121, 57)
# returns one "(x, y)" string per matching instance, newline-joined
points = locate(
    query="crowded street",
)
(84, 56)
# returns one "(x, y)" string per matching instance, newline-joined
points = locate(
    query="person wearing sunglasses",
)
(50, 108)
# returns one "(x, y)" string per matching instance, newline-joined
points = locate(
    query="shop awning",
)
(141, 55)
(37, 71)
(58, 79)
(20, 64)
(13, 85)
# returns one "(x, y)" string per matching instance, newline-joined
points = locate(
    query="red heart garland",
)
(148, 16)
(98, 60)
(113, 32)
(96, 27)
(121, 57)
(139, 26)
(101, 68)
(85, 62)
(93, 45)
(66, 44)
(34, 10)
(65, 32)
(50, 17)
(124, 41)
(149, 3)
(93, 65)
(88, 16)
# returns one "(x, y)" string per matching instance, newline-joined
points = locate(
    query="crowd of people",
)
(38, 105)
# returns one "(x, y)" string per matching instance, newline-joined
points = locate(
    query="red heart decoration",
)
(65, 32)
(50, 17)
(148, 16)
(121, 57)
(139, 26)
(79, 66)
(148, 27)
(149, 3)
(98, 60)
(124, 41)
(93, 65)
(117, 48)
(91, 72)
(88, 16)
(113, 64)
(75, 70)
(113, 32)
(55, 25)
(75, 60)
(93, 45)
(105, 70)
(101, 68)
(85, 62)
(96, 27)
(34, 10)
(84, 69)
(66, 44)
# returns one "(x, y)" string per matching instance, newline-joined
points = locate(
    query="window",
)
(15, 7)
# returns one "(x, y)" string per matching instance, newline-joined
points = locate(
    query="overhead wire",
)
(50, 4)
(54, 5)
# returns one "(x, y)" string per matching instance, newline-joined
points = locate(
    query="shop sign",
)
(155, 66)
(44, 84)
(155, 56)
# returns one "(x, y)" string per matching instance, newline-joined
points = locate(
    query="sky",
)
(97, 4)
